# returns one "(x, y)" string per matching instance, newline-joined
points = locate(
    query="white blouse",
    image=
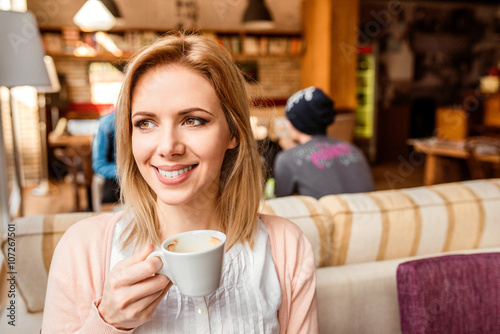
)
(247, 301)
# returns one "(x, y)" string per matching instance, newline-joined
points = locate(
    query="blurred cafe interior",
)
(404, 76)
(416, 86)
(407, 77)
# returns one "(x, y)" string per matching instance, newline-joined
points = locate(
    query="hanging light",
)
(113, 9)
(257, 16)
(94, 16)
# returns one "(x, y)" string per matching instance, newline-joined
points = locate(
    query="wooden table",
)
(446, 161)
(69, 140)
(79, 145)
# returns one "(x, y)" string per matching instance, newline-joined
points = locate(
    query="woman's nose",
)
(170, 143)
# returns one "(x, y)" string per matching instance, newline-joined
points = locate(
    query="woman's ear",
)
(233, 143)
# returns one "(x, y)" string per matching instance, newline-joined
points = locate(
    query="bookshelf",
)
(248, 44)
(271, 60)
(71, 42)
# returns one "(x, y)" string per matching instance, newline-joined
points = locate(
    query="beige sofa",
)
(358, 240)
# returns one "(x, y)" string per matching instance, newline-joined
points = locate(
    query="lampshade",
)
(21, 51)
(113, 9)
(94, 16)
(257, 16)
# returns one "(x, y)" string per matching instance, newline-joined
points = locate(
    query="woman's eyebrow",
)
(181, 112)
(142, 113)
(188, 110)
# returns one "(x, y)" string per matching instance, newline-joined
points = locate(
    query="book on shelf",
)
(278, 45)
(230, 43)
(135, 40)
(211, 35)
(52, 42)
(263, 45)
(71, 39)
(89, 39)
(295, 46)
(251, 45)
(235, 44)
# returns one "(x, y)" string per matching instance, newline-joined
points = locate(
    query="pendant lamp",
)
(94, 16)
(257, 16)
(113, 9)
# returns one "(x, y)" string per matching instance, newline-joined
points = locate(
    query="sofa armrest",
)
(358, 298)
(35, 240)
(310, 216)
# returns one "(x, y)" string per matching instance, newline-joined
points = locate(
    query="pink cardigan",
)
(81, 262)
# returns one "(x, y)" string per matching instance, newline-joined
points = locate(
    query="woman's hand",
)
(131, 292)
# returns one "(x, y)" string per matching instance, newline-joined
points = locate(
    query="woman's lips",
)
(174, 176)
(174, 173)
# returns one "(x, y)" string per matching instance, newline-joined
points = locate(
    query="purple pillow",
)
(450, 294)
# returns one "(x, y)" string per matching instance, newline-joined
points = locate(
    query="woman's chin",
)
(195, 200)
(173, 200)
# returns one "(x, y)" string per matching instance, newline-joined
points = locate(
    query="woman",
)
(187, 160)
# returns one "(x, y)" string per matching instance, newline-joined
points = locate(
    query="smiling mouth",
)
(175, 173)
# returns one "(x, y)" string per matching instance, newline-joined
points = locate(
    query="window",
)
(105, 82)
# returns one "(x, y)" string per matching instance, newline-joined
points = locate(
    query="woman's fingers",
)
(152, 306)
(139, 271)
(147, 287)
(136, 268)
(136, 258)
(143, 308)
(132, 289)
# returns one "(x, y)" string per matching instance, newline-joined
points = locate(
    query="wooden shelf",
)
(164, 30)
(100, 57)
(242, 45)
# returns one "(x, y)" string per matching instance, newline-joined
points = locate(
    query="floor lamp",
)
(44, 187)
(21, 64)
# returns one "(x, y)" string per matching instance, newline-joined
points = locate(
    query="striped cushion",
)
(35, 241)
(414, 221)
(310, 216)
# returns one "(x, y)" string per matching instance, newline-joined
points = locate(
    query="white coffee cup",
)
(193, 261)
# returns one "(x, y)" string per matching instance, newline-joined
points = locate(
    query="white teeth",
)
(174, 173)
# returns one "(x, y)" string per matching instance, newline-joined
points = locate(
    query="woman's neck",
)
(177, 219)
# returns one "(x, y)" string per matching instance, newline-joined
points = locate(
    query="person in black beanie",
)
(319, 165)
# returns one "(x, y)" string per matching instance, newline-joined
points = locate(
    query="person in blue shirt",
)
(104, 157)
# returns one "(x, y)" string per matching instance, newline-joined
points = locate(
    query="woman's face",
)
(180, 135)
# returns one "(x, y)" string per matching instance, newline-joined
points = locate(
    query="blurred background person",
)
(105, 182)
(319, 165)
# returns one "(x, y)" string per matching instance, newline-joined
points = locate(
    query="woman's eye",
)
(194, 121)
(143, 124)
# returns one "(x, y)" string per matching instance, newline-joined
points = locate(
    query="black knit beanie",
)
(310, 111)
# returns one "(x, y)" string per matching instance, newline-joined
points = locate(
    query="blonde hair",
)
(241, 180)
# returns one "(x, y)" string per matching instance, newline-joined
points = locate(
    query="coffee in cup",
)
(193, 243)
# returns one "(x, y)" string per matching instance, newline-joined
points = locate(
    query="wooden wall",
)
(330, 59)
